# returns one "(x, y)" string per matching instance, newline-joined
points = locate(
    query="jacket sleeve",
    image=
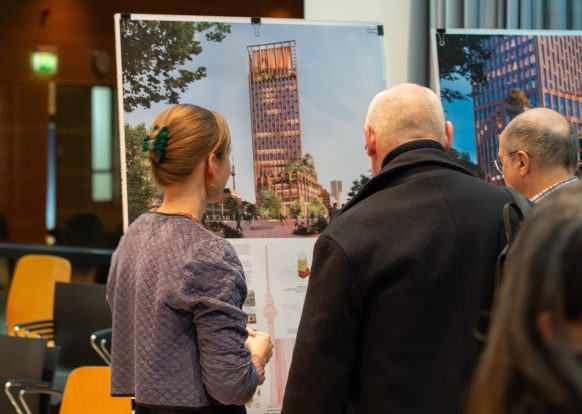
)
(214, 290)
(325, 351)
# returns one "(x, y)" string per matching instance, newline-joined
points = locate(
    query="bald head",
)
(406, 112)
(545, 135)
(542, 119)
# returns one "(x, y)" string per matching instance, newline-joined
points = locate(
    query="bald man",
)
(538, 153)
(401, 275)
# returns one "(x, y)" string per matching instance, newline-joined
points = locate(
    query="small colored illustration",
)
(302, 266)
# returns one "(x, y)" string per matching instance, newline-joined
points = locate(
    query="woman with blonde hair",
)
(176, 290)
(532, 363)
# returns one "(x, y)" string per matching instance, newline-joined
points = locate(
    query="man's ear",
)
(370, 140)
(449, 132)
(524, 163)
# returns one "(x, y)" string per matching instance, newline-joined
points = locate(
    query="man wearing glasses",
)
(400, 277)
(538, 152)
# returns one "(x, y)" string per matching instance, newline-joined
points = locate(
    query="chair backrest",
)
(80, 309)
(32, 287)
(88, 391)
(20, 358)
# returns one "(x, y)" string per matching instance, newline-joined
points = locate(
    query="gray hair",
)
(404, 112)
(547, 146)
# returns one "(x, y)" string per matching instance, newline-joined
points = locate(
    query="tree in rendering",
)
(153, 56)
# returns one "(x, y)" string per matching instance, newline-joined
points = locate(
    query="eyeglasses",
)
(498, 162)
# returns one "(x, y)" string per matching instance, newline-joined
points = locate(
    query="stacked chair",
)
(31, 297)
(80, 309)
(78, 325)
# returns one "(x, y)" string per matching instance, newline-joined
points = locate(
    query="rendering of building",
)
(276, 125)
(336, 190)
(292, 185)
(522, 72)
(326, 198)
(219, 210)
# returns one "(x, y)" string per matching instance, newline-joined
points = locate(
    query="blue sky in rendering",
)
(460, 113)
(340, 69)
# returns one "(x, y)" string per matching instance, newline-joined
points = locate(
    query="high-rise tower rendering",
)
(524, 71)
(276, 125)
(336, 190)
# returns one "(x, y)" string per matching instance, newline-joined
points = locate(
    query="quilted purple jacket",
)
(176, 292)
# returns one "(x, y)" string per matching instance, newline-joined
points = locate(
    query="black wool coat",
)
(399, 280)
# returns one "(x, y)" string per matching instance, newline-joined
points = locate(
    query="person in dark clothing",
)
(533, 360)
(401, 275)
(538, 153)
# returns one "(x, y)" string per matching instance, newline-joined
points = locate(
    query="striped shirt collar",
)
(564, 183)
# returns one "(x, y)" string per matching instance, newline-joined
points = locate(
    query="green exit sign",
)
(45, 62)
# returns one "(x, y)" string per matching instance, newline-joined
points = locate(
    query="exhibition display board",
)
(487, 77)
(295, 96)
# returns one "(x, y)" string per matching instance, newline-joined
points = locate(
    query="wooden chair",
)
(31, 293)
(87, 391)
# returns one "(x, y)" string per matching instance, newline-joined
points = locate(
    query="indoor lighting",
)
(45, 62)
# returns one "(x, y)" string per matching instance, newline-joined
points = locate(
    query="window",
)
(51, 198)
(101, 142)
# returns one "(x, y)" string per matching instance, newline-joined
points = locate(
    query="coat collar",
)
(420, 152)
(410, 146)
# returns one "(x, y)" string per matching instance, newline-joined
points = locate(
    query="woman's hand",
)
(260, 343)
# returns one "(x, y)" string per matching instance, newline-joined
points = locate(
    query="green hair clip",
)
(160, 145)
(145, 146)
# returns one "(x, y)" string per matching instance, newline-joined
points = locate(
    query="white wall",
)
(405, 31)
